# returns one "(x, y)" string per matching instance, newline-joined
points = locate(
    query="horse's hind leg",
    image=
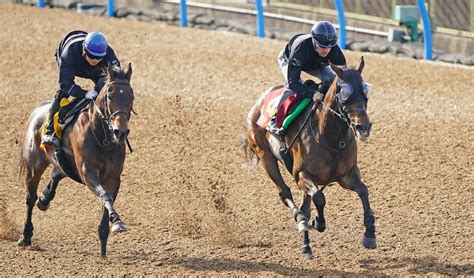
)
(306, 209)
(50, 190)
(270, 164)
(33, 177)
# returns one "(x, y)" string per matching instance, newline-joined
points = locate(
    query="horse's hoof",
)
(41, 205)
(318, 226)
(119, 227)
(306, 252)
(24, 242)
(302, 226)
(369, 243)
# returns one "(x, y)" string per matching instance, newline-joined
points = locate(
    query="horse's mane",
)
(328, 101)
(330, 97)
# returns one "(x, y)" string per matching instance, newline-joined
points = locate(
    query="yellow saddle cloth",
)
(63, 104)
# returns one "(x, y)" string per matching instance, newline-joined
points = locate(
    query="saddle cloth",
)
(277, 102)
(69, 108)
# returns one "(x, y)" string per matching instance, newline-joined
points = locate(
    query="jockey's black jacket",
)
(72, 63)
(302, 56)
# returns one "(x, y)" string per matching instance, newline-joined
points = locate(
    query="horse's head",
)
(115, 101)
(352, 96)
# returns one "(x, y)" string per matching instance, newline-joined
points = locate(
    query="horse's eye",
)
(345, 92)
(367, 89)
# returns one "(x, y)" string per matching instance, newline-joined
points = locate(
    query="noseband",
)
(106, 118)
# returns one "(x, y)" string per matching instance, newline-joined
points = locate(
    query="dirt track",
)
(190, 205)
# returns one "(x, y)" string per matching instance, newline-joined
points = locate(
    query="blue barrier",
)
(260, 19)
(41, 4)
(342, 23)
(184, 14)
(426, 28)
(110, 8)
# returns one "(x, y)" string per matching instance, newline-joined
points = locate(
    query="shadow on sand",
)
(418, 266)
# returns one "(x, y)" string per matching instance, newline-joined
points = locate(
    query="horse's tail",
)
(22, 164)
(249, 147)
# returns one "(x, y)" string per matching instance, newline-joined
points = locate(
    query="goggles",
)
(323, 43)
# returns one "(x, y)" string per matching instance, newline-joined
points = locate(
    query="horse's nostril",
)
(359, 127)
(116, 132)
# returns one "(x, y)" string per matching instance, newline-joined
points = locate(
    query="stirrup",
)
(283, 147)
(50, 139)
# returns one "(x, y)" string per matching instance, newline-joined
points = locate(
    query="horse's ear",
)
(337, 70)
(110, 71)
(361, 64)
(129, 72)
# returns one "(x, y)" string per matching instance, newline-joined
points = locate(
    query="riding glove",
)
(91, 94)
(318, 96)
(100, 83)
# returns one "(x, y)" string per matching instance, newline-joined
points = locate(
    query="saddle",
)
(278, 103)
(69, 109)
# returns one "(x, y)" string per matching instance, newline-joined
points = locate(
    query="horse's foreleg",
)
(117, 224)
(91, 179)
(32, 179)
(107, 201)
(319, 201)
(317, 195)
(103, 231)
(50, 190)
(355, 184)
(306, 209)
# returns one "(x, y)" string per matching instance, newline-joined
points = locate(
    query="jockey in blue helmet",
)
(312, 54)
(84, 55)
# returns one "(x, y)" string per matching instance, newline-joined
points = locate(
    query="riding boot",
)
(285, 156)
(50, 136)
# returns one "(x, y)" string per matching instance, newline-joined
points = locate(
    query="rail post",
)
(41, 4)
(260, 19)
(342, 23)
(110, 8)
(184, 13)
(426, 29)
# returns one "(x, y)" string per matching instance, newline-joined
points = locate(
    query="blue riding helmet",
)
(324, 34)
(95, 44)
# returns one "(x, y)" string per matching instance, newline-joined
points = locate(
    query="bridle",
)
(106, 117)
(342, 114)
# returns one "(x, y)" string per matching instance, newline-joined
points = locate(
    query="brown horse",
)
(94, 148)
(324, 152)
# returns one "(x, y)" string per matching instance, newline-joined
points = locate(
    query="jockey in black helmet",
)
(310, 53)
(84, 55)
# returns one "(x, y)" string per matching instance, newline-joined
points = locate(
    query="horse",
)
(324, 153)
(93, 146)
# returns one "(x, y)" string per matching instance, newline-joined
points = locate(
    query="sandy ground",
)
(191, 204)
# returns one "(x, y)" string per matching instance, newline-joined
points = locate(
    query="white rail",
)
(273, 15)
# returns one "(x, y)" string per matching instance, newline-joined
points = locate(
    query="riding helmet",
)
(95, 44)
(324, 34)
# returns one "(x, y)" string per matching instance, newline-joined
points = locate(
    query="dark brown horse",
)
(324, 152)
(94, 147)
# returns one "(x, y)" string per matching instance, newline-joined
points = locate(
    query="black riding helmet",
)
(324, 34)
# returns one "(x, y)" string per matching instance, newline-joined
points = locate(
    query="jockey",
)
(84, 55)
(310, 53)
